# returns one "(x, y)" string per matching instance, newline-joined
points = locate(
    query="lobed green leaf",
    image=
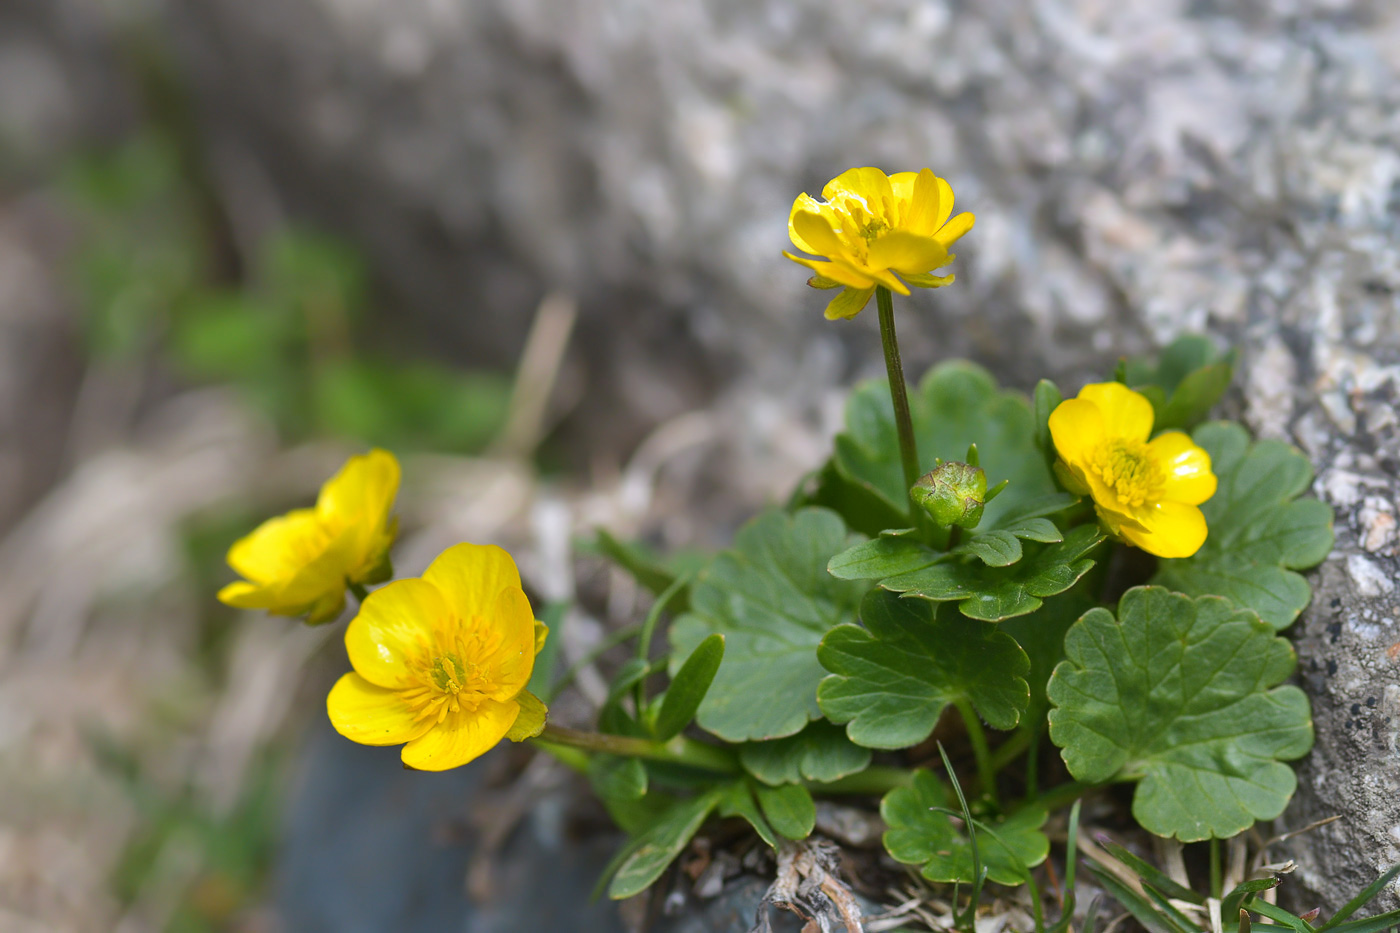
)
(890, 680)
(1181, 695)
(820, 752)
(921, 834)
(772, 599)
(903, 564)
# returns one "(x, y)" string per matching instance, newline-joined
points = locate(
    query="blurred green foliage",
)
(287, 329)
(215, 862)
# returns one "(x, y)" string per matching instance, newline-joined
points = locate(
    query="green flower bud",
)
(953, 494)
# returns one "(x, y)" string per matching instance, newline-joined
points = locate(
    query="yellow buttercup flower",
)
(441, 662)
(1146, 492)
(300, 563)
(874, 225)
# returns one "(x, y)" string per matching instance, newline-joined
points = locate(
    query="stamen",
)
(1129, 470)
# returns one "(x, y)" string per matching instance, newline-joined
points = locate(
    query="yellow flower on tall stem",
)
(872, 228)
(1145, 491)
(441, 662)
(301, 563)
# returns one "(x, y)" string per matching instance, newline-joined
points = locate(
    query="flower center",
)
(454, 675)
(1128, 469)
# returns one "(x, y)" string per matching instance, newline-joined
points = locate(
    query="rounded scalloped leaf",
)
(772, 599)
(891, 679)
(1181, 695)
(921, 835)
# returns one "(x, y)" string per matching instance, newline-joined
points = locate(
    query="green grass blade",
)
(1356, 903)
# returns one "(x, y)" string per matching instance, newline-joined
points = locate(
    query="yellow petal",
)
(1077, 428)
(1173, 529)
(906, 252)
(461, 737)
(838, 272)
(279, 547)
(357, 501)
(849, 303)
(955, 228)
(945, 202)
(514, 659)
(869, 184)
(1126, 414)
(1186, 467)
(924, 214)
(817, 232)
(541, 633)
(471, 577)
(371, 715)
(804, 202)
(395, 625)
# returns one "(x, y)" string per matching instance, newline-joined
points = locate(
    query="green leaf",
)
(617, 778)
(1189, 379)
(789, 809)
(891, 680)
(1141, 909)
(1041, 635)
(1181, 694)
(902, 564)
(688, 687)
(530, 722)
(1046, 399)
(957, 404)
(736, 799)
(771, 597)
(1002, 548)
(1230, 905)
(820, 752)
(1259, 532)
(658, 846)
(919, 834)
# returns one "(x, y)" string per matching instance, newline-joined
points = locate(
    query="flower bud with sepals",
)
(954, 493)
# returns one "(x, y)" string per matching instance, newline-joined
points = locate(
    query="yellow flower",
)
(441, 662)
(301, 562)
(871, 226)
(1144, 491)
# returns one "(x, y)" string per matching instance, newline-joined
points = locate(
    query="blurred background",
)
(532, 246)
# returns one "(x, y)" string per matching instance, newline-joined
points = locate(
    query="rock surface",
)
(1138, 170)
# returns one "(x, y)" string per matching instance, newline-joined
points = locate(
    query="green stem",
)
(1216, 884)
(1011, 749)
(986, 774)
(574, 758)
(876, 780)
(639, 693)
(680, 750)
(359, 590)
(899, 394)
